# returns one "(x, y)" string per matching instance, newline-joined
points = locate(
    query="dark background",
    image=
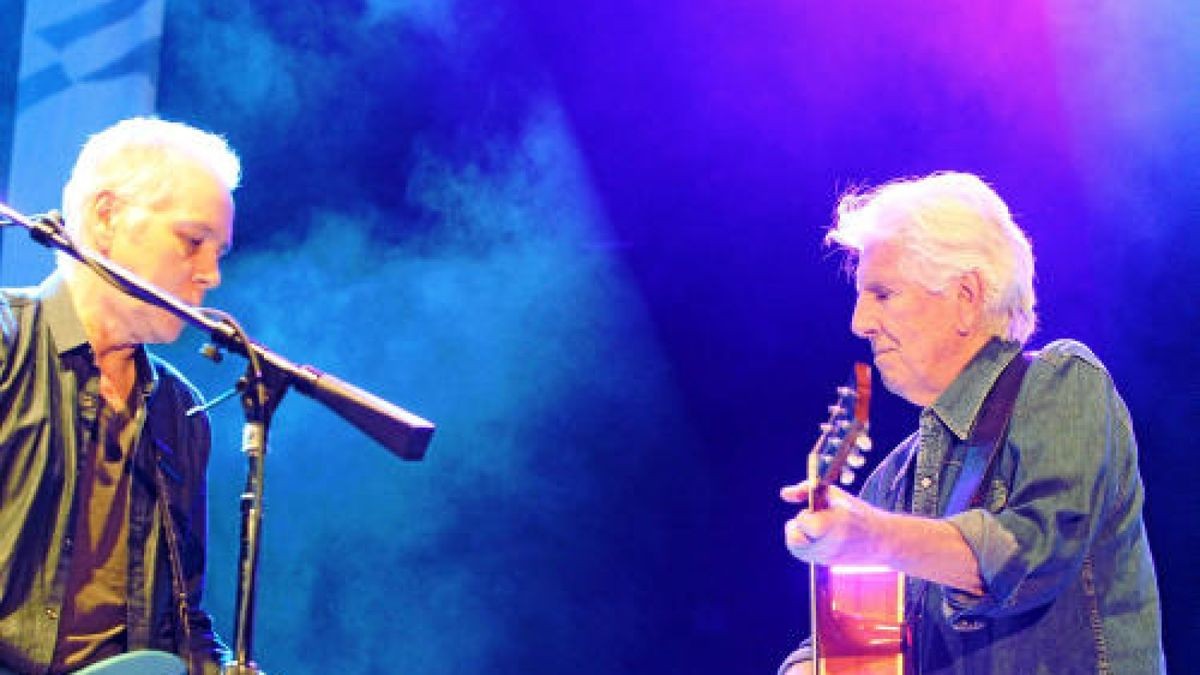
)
(586, 240)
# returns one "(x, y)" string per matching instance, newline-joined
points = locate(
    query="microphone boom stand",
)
(268, 377)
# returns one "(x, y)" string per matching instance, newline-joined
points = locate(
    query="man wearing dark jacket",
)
(102, 471)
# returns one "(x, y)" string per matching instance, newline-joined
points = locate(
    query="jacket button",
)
(52, 613)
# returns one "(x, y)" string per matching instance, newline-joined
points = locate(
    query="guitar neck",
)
(817, 495)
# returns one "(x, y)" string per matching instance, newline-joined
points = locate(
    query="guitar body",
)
(858, 620)
(138, 663)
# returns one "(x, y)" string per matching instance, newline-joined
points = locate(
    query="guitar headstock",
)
(839, 449)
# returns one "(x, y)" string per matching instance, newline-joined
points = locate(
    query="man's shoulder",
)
(15, 303)
(1067, 368)
(18, 295)
(21, 299)
(1065, 352)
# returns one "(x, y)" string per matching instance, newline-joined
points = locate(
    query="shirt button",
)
(68, 543)
(967, 625)
(926, 481)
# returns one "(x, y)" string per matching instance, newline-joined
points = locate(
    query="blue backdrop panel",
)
(84, 65)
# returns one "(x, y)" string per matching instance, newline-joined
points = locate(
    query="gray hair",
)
(135, 159)
(948, 223)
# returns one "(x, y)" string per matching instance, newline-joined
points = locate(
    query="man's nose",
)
(208, 273)
(861, 321)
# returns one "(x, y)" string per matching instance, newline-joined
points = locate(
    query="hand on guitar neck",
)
(845, 530)
(836, 527)
(850, 530)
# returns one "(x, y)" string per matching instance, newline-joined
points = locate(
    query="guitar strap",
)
(171, 537)
(987, 437)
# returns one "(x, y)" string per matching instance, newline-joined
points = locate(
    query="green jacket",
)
(49, 397)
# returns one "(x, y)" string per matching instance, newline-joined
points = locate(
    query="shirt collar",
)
(959, 405)
(69, 337)
(66, 329)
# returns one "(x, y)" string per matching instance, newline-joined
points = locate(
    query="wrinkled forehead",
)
(879, 261)
(196, 198)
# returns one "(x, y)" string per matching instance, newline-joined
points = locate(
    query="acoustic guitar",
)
(857, 611)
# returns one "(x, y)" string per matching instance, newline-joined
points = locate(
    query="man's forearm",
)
(929, 549)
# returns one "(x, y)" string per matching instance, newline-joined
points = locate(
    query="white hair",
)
(135, 159)
(948, 223)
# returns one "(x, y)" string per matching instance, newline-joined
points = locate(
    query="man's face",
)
(175, 244)
(913, 331)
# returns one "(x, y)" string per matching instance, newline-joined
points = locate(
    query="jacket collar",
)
(959, 405)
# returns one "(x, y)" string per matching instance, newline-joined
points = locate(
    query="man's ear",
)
(969, 294)
(100, 219)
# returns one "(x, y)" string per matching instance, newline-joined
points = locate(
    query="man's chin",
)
(165, 331)
(892, 385)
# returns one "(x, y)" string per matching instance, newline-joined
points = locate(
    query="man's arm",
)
(205, 642)
(801, 668)
(853, 531)
(1077, 463)
(798, 662)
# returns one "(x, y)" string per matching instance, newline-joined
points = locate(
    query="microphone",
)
(46, 228)
(52, 218)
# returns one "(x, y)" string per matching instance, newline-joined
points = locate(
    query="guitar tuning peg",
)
(856, 460)
(863, 443)
(837, 410)
(835, 443)
(847, 477)
(845, 392)
(826, 427)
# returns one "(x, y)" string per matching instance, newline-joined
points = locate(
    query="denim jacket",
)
(49, 397)
(1069, 583)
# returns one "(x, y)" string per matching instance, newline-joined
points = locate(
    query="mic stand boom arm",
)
(401, 432)
(269, 376)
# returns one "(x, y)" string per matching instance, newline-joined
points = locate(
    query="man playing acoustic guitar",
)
(1024, 552)
(102, 467)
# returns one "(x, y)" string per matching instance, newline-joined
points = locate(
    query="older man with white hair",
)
(1025, 551)
(102, 472)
